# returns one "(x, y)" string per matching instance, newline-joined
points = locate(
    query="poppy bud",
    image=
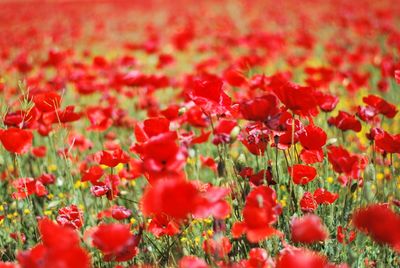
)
(368, 194)
(369, 174)
(234, 133)
(241, 160)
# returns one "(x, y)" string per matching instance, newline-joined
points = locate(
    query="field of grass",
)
(254, 134)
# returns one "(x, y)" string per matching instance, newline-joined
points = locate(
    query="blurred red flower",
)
(174, 198)
(16, 140)
(308, 229)
(300, 258)
(120, 212)
(192, 262)
(47, 101)
(52, 253)
(379, 222)
(115, 241)
(218, 247)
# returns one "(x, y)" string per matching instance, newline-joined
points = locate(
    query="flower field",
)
(194, 134)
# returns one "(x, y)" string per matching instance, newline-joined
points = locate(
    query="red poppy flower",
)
(133, 171)
(115, 241)
(344, 236)
(39, 151)
(300, 258)
(206, 91)
(345, 121)
(312, 137)
(258, 178)
(93, 174)
(164, 60)
(234, 77)
(344, 162)
(323, 196)
(397, 76)
(255, 137)
(171, 112)
(308, 229)
(367, 113)
(55, 57)
(8, 265)
(100, 118)
(174, 198)
(150, 128)
(208, 162)
(46, 178)
(260, 212)
(52, 253)
(379, 222)
(195, 117)
(70, 216)
(16, 140)
(260, 109)
(47, 101)
(258, 257)
(108, 187)
(18, 237)
(162, 156)
(387, 142)
(218, 247)
(382, 106)
(373, 132)
(190, 139)
(311, 156)
(211, 202)
(79, 142)
(61, 116)
(120, 212)
(100, 189)
(22, 119)
(28, 186)
(299, 99)
(302, 174)
(308, 203)
(319, 76)
(223, 130)
(112, 159)
(326, 102)
(192, 262)
(162, 225)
